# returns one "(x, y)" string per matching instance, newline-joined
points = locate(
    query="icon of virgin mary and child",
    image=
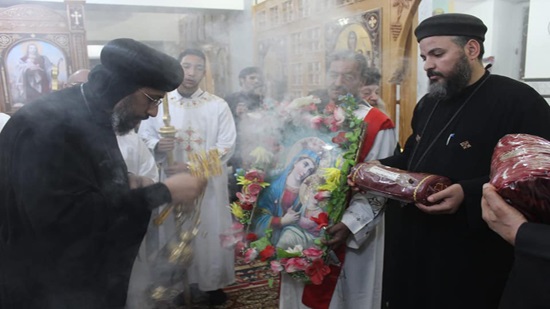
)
(288, 205)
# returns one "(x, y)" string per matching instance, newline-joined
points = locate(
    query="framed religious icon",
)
(34, 68)
(39, 49)
(358, 33)
(294, 180)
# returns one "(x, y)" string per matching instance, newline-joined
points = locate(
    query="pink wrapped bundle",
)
(397, 184)
(520, 171)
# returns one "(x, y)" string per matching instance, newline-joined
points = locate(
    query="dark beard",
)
(123, 118)
(454, 83)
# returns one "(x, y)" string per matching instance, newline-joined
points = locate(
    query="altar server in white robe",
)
(203, 122)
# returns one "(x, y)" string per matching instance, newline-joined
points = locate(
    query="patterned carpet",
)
(252, 289)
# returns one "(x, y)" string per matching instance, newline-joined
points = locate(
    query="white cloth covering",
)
(138, 157)
(203, 122)
(141, 162)
(3, 119)
(360, 283)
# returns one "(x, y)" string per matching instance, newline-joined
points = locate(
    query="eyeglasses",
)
(155, 102)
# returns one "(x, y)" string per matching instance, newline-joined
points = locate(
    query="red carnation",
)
(251, 237)
(247, 206)
(317, 271)
(267, 253)
(340, 138)
(321, 220)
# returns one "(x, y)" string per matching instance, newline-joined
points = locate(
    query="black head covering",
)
(452, 24)
(127, 65)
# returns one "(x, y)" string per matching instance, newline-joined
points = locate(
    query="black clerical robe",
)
(529, 283)
(455, 261)
(70, 227)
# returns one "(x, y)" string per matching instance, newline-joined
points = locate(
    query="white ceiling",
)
(195, 4)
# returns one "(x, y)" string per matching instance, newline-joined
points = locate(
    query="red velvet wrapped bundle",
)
(520, 171)
(398, 184)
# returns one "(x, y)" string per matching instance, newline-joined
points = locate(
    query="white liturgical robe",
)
(203, 122)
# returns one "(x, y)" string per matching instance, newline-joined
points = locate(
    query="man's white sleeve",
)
(365, 210)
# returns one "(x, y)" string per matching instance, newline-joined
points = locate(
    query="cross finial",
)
(76, 15)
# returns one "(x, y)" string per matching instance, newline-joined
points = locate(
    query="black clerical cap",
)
(141, 65)
(452, 24)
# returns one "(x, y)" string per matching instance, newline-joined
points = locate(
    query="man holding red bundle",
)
(530, 277)
(445, 256)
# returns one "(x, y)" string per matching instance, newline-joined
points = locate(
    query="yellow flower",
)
(243, 181)
(237, 211)
(332, 179)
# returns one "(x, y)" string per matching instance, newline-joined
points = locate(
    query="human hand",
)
(448, 201)
(185, 188)
(136, 181)
(502, 218)
(290, 217)
(176, 168)
(165, 144)
(338, 235)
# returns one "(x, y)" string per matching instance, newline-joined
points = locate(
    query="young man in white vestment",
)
(203, 122)
(361, 230)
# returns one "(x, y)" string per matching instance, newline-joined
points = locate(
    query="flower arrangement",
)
(311, 264)
(252, 183)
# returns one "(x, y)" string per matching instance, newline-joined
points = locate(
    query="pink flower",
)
(321, 220)
(276, 266)
(312, 107)
(246, 198)
(250, 254)
(313, 253)
(228, 241)
(239, 247)
(328, 121)
(322, 195)
(317, 271)
(255, 176)
(237, 227)
(296, 264)
(316, 122)
(253, 189)
(339, 116)
(329, 109)
(267, 253)
(232, 235)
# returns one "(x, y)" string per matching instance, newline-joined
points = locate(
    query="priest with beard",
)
(445, 256)
(71, 217)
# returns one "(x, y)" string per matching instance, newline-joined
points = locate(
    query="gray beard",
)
(122, 120)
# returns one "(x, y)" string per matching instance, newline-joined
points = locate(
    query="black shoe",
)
(217, 297)
(197, 298)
